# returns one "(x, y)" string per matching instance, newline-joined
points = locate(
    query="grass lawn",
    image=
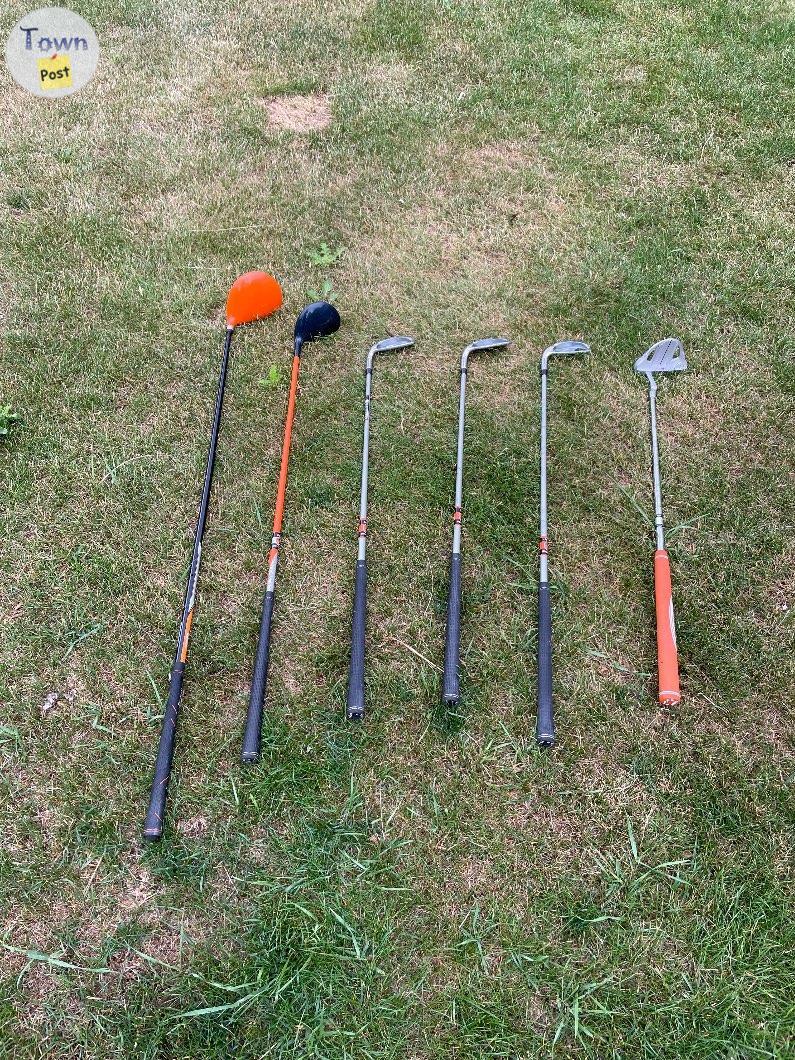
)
(429, 886)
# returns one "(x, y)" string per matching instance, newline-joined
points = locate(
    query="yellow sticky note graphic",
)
(55, 72)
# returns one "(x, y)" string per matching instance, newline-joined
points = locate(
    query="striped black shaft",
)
(153, 825)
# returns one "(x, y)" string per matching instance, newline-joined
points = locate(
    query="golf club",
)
(545, 721)
(252, 296)
(452, 645)
(665, 356)
(315, 322)
(355, 700)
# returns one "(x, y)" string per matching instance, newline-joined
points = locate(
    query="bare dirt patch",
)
(299, 114)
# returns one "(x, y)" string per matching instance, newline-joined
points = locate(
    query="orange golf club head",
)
(252, 296)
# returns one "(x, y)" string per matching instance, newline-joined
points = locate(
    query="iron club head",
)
(483, 346)
(487, 344)
(316, 322)
(567, 348)
(564, 348)
(392, 344)
(668, 355)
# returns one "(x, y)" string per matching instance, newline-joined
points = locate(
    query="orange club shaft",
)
(281, 489)
(316, 321)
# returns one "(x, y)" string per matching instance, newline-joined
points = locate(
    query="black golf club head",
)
(315, 322)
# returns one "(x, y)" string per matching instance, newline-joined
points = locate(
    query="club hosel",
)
(273, 562)
(193, 574)
(457, 532)
(659, 531)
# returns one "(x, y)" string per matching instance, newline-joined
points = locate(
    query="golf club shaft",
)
(256, 703)
(667, 659)
(545, 725)
(355, 698)
(452, 646)
(153, 825)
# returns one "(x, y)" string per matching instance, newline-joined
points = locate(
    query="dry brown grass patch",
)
(299, 114)
(503, 155)
(633, 75)
(193, 827)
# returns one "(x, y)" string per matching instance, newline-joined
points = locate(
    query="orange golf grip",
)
(667, 661)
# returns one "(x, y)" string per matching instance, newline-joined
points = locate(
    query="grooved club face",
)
(316, 321)
(393, 344)
(567, 348)
(665, 356)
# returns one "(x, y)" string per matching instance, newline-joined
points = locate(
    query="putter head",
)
(566, 348)
(252, 296)
(316, 322)
(668, 355)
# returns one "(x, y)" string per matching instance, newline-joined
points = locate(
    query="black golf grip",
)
(259, 683)
(355, 702)
(450, 689)
(545, 726)
(153, 825)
